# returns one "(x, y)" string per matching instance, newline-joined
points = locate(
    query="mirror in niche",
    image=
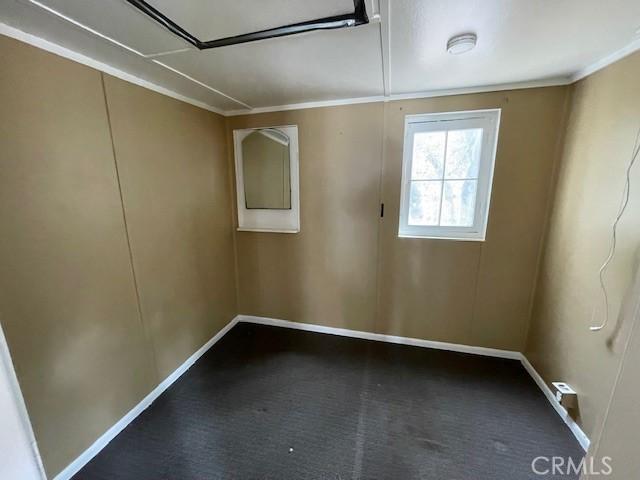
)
(267, 179)
(266, 169)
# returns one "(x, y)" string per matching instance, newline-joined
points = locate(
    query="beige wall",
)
(83, 354)
(335, 273)
(326, 274)
(475, 293)
(604, 119)
(173, 169)
(119, 254)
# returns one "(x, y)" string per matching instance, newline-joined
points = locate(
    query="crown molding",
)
(150, 57)
(404, 96)
(128, 77)
(116, 72)
(604, 62)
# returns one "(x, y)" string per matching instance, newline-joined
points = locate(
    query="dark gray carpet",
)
(268, 403)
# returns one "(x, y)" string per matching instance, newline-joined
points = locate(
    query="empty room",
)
(319, 240)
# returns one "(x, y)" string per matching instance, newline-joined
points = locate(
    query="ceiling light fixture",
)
(461, 43)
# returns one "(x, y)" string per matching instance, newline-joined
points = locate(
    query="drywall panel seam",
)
(475, 294)
(553, 181)
(136, 288)
(229, 150)
(381, 199)
(110, 434)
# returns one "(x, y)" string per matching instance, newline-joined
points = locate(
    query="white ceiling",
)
(312, 67)
(518, 40)
(402, 51)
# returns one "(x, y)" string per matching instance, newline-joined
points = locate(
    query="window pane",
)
(428, 156)
(463, 153)
(424, 203)
(458, 203)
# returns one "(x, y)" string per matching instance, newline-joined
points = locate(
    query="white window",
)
(447, 170)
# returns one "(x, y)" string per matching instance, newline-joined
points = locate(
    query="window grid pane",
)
(458, 203)
(428, 156)
(424, 202)
(456, 196)
(463, 154)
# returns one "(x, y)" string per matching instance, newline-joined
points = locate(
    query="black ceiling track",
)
(358, 17)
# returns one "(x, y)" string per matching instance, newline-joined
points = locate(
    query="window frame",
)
(489, 121)
(268, 220)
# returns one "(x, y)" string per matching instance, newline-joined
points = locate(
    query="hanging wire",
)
(614, 234)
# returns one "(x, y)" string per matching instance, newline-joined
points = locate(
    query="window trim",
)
(268, 220)
(489, 121)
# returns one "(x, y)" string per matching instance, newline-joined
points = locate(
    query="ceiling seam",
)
(202, 84)
(74, 56)
(385, 44)
(573, 77)
(84, 27)
(83, 59)
(162, 54)
(133, 50)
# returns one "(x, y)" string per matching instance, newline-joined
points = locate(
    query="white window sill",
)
(455, 239)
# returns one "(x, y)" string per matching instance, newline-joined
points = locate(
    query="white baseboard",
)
(380, 337)
(110, 434)
(582, 438)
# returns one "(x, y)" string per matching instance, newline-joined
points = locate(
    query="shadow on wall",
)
(629, 302)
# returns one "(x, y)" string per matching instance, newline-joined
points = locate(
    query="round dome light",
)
(461, 43)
